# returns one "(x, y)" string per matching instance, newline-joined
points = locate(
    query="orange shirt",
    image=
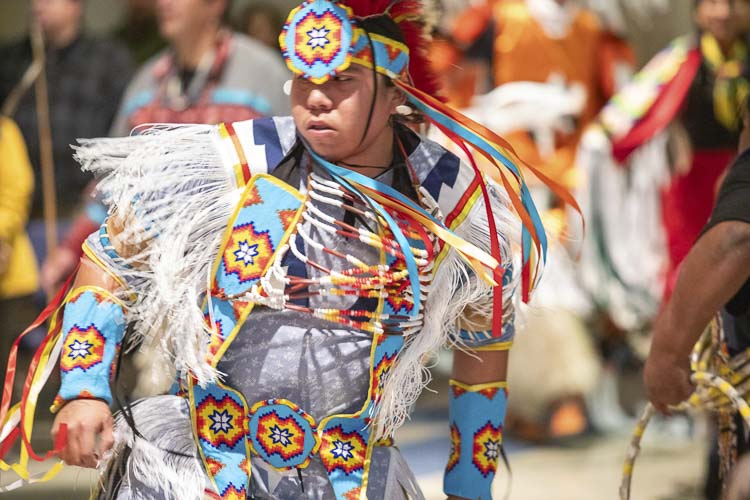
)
(587, 55)
(457, 80)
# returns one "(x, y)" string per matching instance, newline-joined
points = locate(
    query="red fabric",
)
(82, 228)
(686, 206)
(663, 110)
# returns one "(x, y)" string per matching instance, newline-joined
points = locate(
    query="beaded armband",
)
(484, 341)
(100, 251)
(92, 330)
(477, 414)
(102, 242)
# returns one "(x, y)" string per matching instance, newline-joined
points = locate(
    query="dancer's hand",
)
(87, 420)
(667, 381)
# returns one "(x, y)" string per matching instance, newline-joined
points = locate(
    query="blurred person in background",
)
(685, 104)
(86, 78)
(666, 140)
(263, 22)
(547, 67)
(555, 42)
(18, 270)
(140, 30)
(207, 74)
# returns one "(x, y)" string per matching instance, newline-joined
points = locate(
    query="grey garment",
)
(157, 461)
(290, 355)
(389, 479)
(260, 69)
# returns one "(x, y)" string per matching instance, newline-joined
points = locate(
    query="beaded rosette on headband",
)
(321, 39)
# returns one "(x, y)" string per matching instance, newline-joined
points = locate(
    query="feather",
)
(420, 69)
(177, 194)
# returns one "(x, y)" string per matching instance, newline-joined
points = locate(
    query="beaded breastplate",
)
(383, 299)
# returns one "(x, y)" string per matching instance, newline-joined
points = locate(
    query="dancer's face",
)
(56, 16)
(332, 117)
(717, 17)
(184, 18)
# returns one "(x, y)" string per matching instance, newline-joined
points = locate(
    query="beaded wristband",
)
(477, 414)
(92, 330)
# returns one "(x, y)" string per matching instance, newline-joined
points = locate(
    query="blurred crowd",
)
(644, 149)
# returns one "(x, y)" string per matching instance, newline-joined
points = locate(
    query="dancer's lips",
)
(319, 126)
(320, 130)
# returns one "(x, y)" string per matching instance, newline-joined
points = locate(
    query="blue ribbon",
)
(480, 142)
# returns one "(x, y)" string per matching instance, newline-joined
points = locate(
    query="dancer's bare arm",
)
(711, 275)
(89, 421)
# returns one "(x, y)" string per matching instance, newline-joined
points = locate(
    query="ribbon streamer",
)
(18, 421)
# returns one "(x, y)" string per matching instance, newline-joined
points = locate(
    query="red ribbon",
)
(10, 373)
(662, 111)
(497, 291)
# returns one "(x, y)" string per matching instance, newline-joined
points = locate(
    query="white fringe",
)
(453, 289)
(166, 462)
(173, 189)
(629, 207)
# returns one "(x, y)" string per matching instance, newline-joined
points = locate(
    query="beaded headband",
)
(321, 39)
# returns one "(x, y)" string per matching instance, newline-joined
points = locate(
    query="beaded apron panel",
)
(260, 225)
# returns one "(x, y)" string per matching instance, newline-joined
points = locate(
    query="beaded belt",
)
(285, 436)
